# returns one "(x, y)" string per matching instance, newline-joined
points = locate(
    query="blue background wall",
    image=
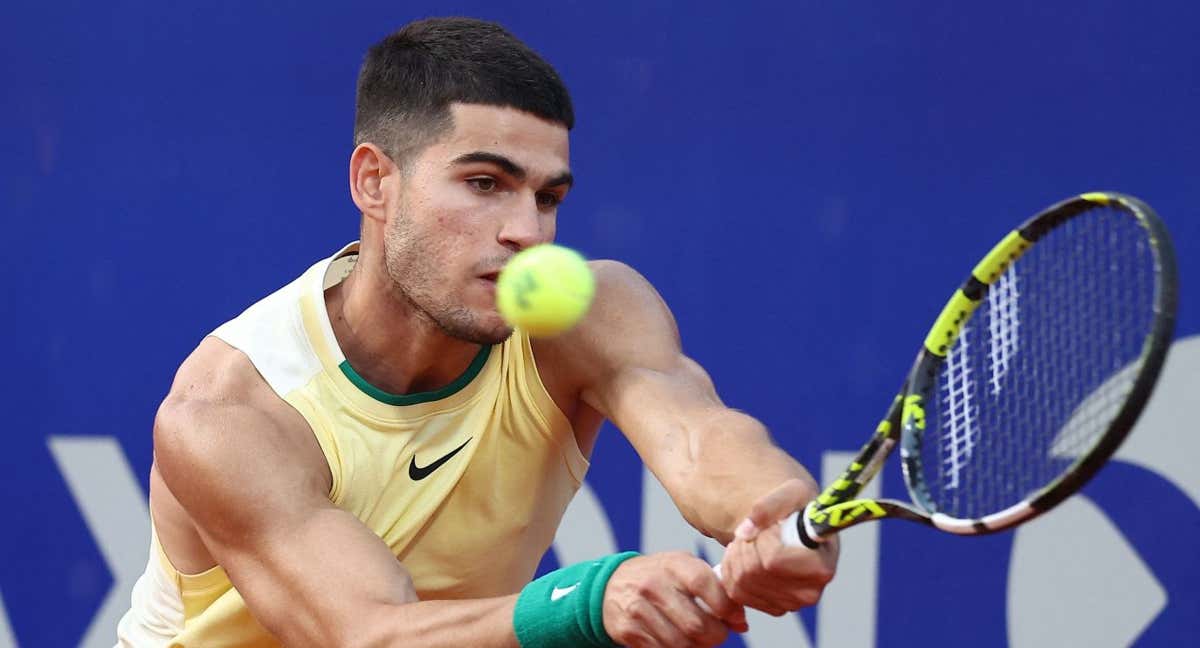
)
(785, 173)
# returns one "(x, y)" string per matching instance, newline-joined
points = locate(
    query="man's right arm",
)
(311, 573)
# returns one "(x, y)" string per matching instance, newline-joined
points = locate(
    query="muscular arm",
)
(311, 573)
(714, 461)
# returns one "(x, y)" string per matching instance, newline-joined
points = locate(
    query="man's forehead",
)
(500, 127)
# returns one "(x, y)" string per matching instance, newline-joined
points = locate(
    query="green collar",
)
(419, 397)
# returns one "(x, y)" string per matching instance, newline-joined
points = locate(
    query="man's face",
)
(467, 203)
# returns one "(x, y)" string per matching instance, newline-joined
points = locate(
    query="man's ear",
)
(370, 169)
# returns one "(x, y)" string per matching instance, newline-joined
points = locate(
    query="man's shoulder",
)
(226, 451)
(628, 320)
(618, 276)
(219, 412)
(624, 299)
(214, 375)
(626, 305)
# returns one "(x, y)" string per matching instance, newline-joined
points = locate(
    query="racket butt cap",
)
(793, 533)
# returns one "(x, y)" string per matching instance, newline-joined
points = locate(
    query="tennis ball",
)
(545, 290)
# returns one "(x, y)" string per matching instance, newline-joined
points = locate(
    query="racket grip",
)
(795, 533)
(792, 530)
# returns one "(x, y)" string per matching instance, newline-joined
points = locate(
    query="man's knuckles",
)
(642, 608)
(807, 597)
(634, 636)
(698, 581)
(739, 592)
(822, 574)
(808, 567)
(753, 570)
(777, 562)
(694, 628)
(637, 625)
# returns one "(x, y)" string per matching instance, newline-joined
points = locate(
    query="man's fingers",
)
(774, 506)
(794, 564)
(773, 578)
(650, 627)
(741, 564)
(656, 601)
(702, 585)
(698, 626)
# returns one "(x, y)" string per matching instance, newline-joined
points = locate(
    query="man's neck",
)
(387, 340)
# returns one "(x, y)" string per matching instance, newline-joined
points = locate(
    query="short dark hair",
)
(409, 79)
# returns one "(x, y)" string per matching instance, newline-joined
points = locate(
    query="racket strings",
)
(1004, 327)
(958, 400)
(962, 426)
(1039, 373)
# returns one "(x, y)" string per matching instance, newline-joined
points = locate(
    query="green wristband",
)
(565, 608)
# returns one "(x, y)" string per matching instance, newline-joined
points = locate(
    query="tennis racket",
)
(1028, 380)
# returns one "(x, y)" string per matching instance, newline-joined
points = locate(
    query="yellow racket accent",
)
(997, 261)
(840, 515)
(885, 426)
(948, 325)
(914, 409)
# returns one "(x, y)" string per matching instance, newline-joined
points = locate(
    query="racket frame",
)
(837, 507)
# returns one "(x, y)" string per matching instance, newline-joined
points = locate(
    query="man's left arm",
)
(719, 465)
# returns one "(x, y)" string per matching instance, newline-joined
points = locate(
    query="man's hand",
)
(759, 571)
(651, 601)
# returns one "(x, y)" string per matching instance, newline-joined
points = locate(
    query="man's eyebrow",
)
(511, 168)
(564, 178)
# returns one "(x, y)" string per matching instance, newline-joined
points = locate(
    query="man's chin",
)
(481, 334)
(493, 336)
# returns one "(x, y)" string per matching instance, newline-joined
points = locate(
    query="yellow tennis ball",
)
(545, 290)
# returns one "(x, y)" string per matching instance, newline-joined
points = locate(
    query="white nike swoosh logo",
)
(560, 592)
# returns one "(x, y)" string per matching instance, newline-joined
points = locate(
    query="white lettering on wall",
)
(114, 507)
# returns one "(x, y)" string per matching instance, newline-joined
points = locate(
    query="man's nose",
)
(524, 227)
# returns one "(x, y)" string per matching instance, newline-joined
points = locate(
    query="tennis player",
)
(370, 457)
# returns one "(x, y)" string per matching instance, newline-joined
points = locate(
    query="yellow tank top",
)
(466, 484)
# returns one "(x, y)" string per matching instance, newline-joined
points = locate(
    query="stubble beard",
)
(414, 272)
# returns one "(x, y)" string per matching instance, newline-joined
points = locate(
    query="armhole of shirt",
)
(318, 427)
(543, 406)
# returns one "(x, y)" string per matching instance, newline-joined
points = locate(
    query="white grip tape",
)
(790, 532)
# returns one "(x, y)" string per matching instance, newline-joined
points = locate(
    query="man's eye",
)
(485, 185)
(546, 199)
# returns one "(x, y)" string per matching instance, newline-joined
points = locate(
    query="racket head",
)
(1040, 364)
